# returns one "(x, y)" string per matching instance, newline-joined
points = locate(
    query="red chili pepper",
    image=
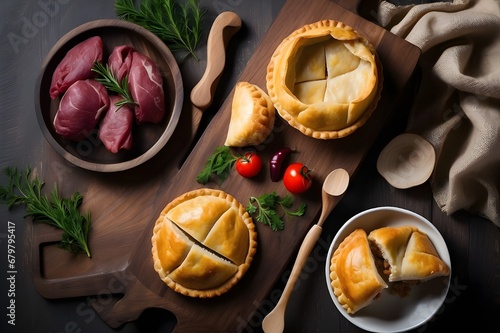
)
(276, 162)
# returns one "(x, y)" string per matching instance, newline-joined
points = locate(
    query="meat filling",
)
(400, 288)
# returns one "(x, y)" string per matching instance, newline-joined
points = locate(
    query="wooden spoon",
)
(334, 185)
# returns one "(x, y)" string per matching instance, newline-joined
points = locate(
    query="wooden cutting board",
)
(120, 278)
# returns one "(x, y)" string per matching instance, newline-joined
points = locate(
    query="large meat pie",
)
(325, 79)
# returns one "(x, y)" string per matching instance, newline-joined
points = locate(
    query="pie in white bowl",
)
(391, 311)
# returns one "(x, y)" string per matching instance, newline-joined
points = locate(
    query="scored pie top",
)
(203, 243)
(325, 79)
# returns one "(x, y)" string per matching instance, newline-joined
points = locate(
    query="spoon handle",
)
(304, 251)
(223, 28)
(270, 324)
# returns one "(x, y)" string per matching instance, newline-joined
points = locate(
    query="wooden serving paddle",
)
(116, 311)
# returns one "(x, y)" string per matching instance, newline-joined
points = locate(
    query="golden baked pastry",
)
(252, 116)
(203, 243)
(354, 276)
(325, 79)
(408, 253)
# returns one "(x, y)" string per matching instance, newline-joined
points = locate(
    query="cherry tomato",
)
(249, 164)
(297, 178)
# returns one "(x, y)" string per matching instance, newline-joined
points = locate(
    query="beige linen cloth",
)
(457, 106)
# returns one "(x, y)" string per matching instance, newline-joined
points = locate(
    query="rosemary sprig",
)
(62, 213)
(178, 25)
(109, 81)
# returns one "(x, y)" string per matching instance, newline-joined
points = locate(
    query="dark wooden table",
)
(28, 31)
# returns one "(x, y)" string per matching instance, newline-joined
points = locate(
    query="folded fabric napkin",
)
(457, 106)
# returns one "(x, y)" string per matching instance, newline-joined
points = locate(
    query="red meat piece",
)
(115, 129)
(76, 65)
(120, 60)
(146, 87)
(80, 109)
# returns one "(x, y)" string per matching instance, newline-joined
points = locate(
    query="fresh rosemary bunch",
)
(108, 80)
(62, 213)
(178, 25)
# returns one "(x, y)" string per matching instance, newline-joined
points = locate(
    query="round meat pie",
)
(325, 79)
(203, 243)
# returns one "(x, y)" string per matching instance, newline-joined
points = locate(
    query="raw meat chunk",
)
(120, 60)
(76, 65)
(80, 109)
(146, 87)
(115, 130)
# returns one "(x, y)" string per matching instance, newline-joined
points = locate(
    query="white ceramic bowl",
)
(392, 313)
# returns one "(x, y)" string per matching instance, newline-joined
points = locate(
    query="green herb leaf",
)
(218, 166)
(287, 201)
(62, 213)
(265, 206)
(179, 26)
(108, 80)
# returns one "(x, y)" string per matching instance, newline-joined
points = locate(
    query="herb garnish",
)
(266, 209)
(218, 165)
(179, 26)
(62, 213)
(109, 81)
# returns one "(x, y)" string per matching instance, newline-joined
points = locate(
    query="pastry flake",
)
(203, 243)
(353, 273)
(325, 79)
(252, 116)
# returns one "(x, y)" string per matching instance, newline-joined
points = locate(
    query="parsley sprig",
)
(62, 213)
(108, 80)
(179, 26)
(266, 205)
(218, 166)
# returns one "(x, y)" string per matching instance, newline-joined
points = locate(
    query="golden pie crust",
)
(353, 273)
(203, 243)
(355, 266)
(325, 79)
(409, 253)
(252, 116)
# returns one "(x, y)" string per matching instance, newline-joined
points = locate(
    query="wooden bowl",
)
(148, 139)
(407, 160)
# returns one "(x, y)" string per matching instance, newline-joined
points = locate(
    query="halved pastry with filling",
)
(408, 254)
(252, 116)
(203, 243)
(325, 79)
(354, 276)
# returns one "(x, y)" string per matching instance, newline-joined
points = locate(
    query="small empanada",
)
(252, 116)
